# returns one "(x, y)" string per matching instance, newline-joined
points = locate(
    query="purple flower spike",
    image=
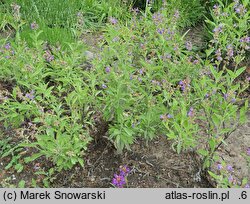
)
(247, 186)
(191, 112)
(219, 166)
(48, 56)
(34, 26)
(225, 96)
(176, 14)
(169, 116)
(113, 20)
(230, 168)
(230, 179)
(30, 95)
(124, 170)
(160, 31)
(189, 46)
(118, 181)
(107, 69)
(240, 9)
(230, 52)
(141, 71)
(7, 46)
(104, 86)
(248, 151)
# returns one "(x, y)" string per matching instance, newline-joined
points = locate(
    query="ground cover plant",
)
(144, 80)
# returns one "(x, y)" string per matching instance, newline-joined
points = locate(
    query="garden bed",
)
(103, 94)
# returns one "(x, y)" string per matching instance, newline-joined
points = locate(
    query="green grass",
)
(62, 21)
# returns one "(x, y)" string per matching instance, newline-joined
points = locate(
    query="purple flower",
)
(225, 96)
(160, 31)
(176, 48)
(196, 61)
(30, 95)
(158, 18)
(230, 168)
(142, 46)
(113, 20)
(233, 100)
(215, 6)
(169, 116)
(248, 151)
(104, 86)
(108, 69)
(247, 186)
(116, 39)
(118, 181)
(230, 52)
(218, 54)
(219, 58)
(168, 56)
(240, 9)
(7, 46)
(216, 9)
(162, 117)
(218, 29)
(124, 170)
(141, 71)
(183, 84)
(219, 166)
(48, 56)
(189, 46)
(230, 179)
(176, 14)
(191, 112)
(207, 95)
(245, 39)
(34, 26)
(37, 166)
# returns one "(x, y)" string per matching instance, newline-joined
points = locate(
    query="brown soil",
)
(155, 165)
(152, 166)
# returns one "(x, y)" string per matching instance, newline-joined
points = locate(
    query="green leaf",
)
(21, 184)
(203, 152)
(19, 167)
(33, 157)
(213, 175)
(209, 51)
(212, 144)
(33, 183)
(81, 162)
(239, 72)
(179, 146)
